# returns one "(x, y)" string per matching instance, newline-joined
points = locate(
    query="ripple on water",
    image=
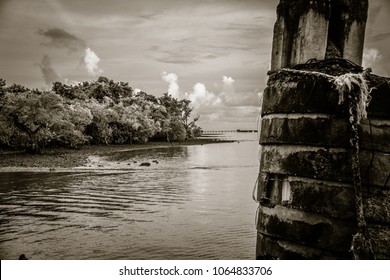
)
(194, 204)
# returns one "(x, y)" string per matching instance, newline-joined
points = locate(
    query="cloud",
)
(207, 102)
(49, 74)
(174, 58)
(373, 12)
(214, 116)
(71, 82)
(3, 3)
(228, 86)
(370, 57)
(60, 38)
(173, 88)
(180, 55)
(201, 97)
(379, 37)
(232, 98)
(227, 80)
(91, 61)
(241, 117)
(225, 105)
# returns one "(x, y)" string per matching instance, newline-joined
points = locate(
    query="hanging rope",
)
(354, 91)
(254, 193)
(258, 126)
(257, 216)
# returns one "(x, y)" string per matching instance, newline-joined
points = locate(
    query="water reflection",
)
(194, 203)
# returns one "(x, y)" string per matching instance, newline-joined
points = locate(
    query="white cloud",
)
(228, 90)
(223, 104)
(71, 82)
(370, 57)
(91, 61)
(227, 80)
(201, 97)
(173, 88)
(214, 116)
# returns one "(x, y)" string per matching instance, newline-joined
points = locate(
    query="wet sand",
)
(70, 158)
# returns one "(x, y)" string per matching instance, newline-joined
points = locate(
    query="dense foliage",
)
(99, 112)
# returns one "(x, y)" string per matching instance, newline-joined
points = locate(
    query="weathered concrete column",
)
(300, 32)
(306, 29)
(306, 187)
(347, 27)
(305, 190)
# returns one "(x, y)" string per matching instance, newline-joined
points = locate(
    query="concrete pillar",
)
(347, 27)
(300, 32)
(307, 202)
(354, 43)
(305, 29)
(311, 38)
(278, 59)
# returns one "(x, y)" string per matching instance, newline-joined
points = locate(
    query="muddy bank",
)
(69, 158)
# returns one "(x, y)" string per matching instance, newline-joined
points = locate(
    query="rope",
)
(255, 188)
(336, 66)
(361, 246)
(258, 127)
(257, 216)
(355, 92)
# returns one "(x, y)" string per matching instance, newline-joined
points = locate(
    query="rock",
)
(145, 164)
(155, 161)
(23, 257)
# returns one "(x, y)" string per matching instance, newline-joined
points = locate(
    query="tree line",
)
(98, 112)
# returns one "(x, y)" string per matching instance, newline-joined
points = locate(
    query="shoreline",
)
(68, 158)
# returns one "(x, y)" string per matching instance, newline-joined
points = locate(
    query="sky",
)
(214, 52)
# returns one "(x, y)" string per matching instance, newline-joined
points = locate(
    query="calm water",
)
(195, 203)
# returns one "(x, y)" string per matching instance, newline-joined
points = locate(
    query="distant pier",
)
(228, 131)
